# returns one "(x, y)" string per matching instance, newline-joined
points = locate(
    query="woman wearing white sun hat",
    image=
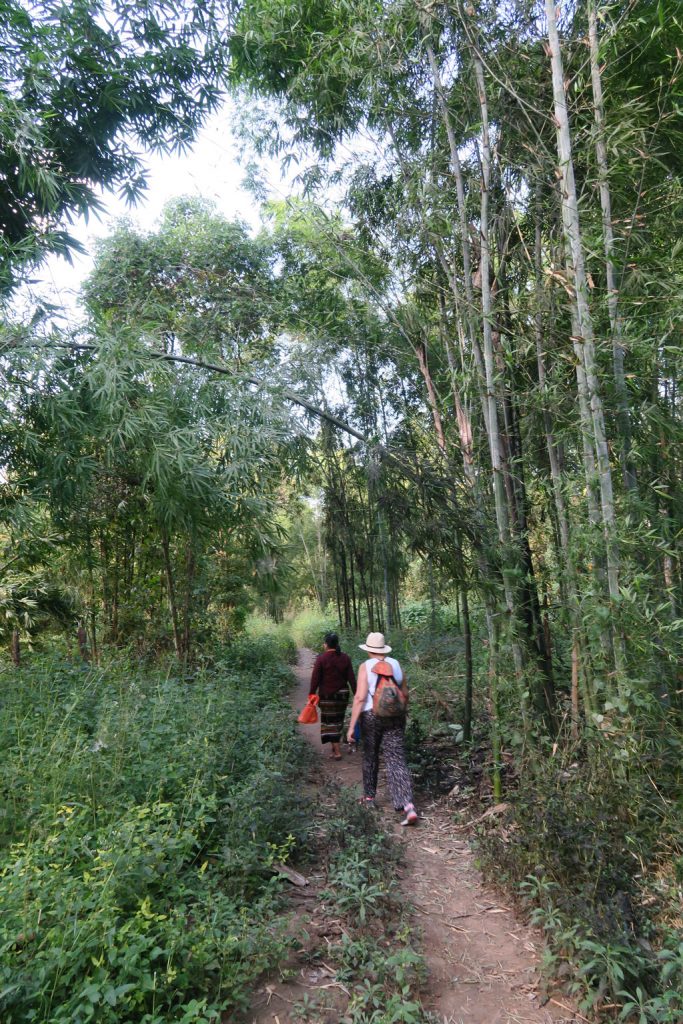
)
(382, 733)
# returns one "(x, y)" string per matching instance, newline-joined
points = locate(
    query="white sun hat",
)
(375, 644)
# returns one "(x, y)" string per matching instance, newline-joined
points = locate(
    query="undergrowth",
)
(308, 627)
(375, 959)
(434, 663)
(593, 844)
(141, 816)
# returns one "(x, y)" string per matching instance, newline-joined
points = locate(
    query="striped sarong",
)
(332, 711)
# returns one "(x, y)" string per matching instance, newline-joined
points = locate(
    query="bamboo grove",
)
(484, 322)
(512, 175)
(447, 367)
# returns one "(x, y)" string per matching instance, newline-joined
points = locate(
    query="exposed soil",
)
(482, 961)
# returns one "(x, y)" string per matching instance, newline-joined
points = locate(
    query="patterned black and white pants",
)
(385, 735)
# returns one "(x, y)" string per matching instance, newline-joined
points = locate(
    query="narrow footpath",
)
(482, 962)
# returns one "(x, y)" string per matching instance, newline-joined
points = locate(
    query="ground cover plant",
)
(142, 813)
(597, 864)
(376, 958)
(590, 838)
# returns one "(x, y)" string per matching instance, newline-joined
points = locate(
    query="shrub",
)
(264, 632)
(589, 854)
(144, 814)
(308, 627)
(419, 617)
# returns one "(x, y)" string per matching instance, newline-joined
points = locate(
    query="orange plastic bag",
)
(309, 715)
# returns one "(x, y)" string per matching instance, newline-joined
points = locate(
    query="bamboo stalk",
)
(618, 353)
(584, 341)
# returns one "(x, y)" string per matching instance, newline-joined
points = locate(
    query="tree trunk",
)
(456, 170)
(466, 310)
(623, 416)
(502, 518)
(495, 447)
(92, 612)
(337, 595)
(115, 595)
(575, 690)
(190, 567)
(311, 566)
(345, 587)
(432, 596)
(467, 637)
(82, 638)
(496, 776)
(15, 648)
(106, 595)
(568, 576)
(577, 275)
(421, 354)
(551, 446)
(354, 600)
(322, 560)
(170, 587)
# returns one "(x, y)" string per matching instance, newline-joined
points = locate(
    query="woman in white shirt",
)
(385, 734)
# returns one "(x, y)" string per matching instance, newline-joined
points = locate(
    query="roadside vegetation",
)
(378, 968)
(599, 873)
(143, 810)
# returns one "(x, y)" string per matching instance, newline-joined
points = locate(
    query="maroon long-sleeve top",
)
(332, 672)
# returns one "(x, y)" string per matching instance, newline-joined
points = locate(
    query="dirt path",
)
(482, 961)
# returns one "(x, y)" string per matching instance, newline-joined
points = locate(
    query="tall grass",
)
(309, 625)
(277, 637)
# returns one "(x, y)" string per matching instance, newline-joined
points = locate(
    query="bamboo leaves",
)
(79, 93)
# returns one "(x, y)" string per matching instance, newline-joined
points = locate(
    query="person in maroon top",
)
(333, 679)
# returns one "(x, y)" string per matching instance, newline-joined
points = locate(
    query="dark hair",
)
(332, 640)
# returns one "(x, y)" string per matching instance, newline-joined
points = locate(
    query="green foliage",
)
(142, 815)
(31, 600)
(199, 280)
(148, 475)
(360, 887)
(601, 969)
(481, 467)
(264, 634)
(375, 957)
(80, 93)
(420, 617)
(309, 625)
(592, 853)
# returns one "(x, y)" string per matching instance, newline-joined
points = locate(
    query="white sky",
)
(211, 170)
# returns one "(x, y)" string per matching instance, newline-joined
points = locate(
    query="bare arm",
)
(358, 701)
(316, 675)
